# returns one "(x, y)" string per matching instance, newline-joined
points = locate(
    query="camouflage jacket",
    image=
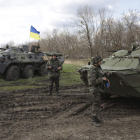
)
(95, 78)
(53, 72)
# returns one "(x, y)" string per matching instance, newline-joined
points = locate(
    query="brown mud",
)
(33, 115)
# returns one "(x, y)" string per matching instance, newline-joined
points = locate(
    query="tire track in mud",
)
(19, 105)
(34, 105)
(119, 107)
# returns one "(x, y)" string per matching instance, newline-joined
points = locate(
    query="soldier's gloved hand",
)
(108, 81)
(59, 68)
(105, 79)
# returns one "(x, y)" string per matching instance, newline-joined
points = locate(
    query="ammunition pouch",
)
(96, 89)
(54, 70)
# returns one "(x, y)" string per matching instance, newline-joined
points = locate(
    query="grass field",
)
(79, 62)
(69, 76)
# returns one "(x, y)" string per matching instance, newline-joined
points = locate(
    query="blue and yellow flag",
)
(34, 33)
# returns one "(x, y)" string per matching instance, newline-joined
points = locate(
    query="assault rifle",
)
(54, 68)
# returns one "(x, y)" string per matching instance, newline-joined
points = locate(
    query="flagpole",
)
(29, 40)
(38, 41)
(29, 36)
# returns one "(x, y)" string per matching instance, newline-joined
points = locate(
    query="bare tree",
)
(86, 22)
(131, 21)
(102, 35)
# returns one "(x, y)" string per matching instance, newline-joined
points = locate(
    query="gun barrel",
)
(116, 51)
(112, 50)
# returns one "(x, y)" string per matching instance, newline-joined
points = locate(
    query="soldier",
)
(54, 67)
(96, 84)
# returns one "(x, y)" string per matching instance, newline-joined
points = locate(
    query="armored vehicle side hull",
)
(127, 85)
(123, 85)
(16, 62)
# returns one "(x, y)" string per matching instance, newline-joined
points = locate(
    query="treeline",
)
(93, 32)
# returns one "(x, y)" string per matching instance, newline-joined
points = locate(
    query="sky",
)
(17, 16)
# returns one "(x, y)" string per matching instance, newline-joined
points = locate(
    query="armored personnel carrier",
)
(122, 68)
(19, 61)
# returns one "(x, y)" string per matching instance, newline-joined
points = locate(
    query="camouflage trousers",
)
(56, 81)
(96, 98)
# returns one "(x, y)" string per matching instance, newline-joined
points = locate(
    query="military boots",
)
(57, 90)
(96, 122)
(50, 93)
(50, 90)
(57, 93)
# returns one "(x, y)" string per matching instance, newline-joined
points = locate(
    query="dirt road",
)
(32, 115)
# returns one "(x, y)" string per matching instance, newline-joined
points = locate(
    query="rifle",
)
(54, 68)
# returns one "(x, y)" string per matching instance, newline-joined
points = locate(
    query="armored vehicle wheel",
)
(28, 71)
(105, 96)
(12, 73)
(42, 70)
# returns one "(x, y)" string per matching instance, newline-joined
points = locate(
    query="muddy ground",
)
(32, 115)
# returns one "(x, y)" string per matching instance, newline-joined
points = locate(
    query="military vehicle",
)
(122, 68)
(19, 61)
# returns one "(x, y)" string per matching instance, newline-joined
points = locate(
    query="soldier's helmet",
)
(96, 59)
(53, 55)
(134, 46)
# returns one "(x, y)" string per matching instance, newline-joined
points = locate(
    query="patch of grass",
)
(70, 68)
(33, 80)
(69, 76)
(11, 88)
(79, 62)
(70, 79)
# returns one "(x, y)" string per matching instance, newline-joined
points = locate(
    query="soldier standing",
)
(54, 67)
(96, 84)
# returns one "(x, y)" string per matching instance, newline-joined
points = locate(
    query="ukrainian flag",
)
(34, 33)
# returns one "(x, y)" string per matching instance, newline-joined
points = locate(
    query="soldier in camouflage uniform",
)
(96, 84)
(54, 67)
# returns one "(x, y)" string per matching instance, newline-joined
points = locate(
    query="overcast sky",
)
(17, 16)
